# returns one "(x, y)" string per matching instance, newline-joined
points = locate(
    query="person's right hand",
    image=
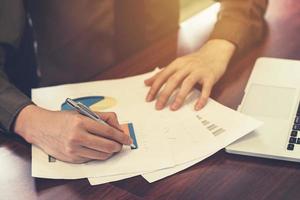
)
(69, 136)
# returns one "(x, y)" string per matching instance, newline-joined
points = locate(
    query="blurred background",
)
(191, 7)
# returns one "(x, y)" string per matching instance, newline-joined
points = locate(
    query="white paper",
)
(152, 143)
(201, 128)
(108, 179)
(193, 142)
(168, 141)
(160, 174)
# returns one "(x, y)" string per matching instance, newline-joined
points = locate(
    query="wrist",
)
(216, 54)
(25, 121)
(223, 45)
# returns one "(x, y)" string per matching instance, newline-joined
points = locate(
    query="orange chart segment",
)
(106, 103)
(95, 103)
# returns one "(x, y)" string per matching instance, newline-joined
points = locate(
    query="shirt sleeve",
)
(12, 17)
(241, 22)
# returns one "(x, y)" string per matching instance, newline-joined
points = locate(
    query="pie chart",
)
(95, 103)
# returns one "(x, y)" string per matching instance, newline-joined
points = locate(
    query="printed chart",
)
(100, 103)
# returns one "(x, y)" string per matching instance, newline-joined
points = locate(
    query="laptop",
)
(272, 95)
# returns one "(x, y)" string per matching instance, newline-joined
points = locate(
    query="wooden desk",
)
(222, 176)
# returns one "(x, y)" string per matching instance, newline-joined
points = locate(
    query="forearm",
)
(12, 101)
(222, 48)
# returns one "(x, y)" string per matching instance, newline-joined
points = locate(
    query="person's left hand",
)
(204, 67)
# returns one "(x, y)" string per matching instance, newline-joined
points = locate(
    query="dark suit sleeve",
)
(12, 17)
(241, 22)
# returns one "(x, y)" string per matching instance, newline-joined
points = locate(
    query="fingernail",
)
(120, 128)
(130, 140)
(198, 107)
(159, 106)
(147, 99)
(174, 106)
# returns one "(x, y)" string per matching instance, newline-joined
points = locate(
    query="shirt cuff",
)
(243, 35)
(12, 101)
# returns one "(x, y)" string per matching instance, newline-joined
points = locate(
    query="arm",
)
(68, 136)
(11, 99)
(240, 24)
(12, 23)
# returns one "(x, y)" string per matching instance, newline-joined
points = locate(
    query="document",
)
(209, 133)
(153, 144)
(203, 135)
(168, 141)
(109, 179)
(152, 147)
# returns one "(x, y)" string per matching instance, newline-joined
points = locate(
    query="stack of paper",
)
(168, 141)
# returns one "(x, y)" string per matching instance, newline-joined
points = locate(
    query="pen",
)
(84, 110)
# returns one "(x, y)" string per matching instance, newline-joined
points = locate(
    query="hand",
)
(204, 67)
(69, 136)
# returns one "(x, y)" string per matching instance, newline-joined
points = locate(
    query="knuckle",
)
(105, 156)
(77, 160)
(113, 147)
(159, 81)
(77, 121)
(155, 86)
(109, 148)
(209, 80)
(101, 158)
(190, 81)
(180, 98)
(153, 90)
(175, 79)
(205, 98)
(113, 114)
(117, 147)
(70, 151)
(111, 133)
(73, 138)
(163, 97)
(179, 61)
(124, 138)
(206, 90)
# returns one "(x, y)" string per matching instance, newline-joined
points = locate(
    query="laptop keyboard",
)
(295, 133)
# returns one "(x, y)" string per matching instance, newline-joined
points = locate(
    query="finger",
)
(111, 118)
(100, 144)
(172, 83)
(77, 160)
(92, 154)
(149, 81)
(106, 131)
(69, 158)
(205, 93)
(158, 82)
(185, 89)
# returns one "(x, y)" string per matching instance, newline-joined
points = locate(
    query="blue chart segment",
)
(129, 130)
(132, 135)
(96, 103)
